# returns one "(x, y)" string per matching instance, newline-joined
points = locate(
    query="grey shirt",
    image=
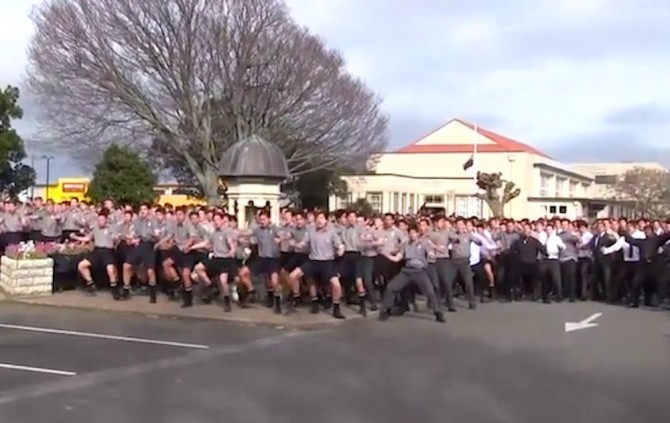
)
(416, 256)
(570, 252)
(266, 239)
(441, 240)
(71, 219)
(51, 226)
(103, 237)
(351, 237)
(394, 239)
(368, 239)
(298, 235)
(285, 235)
(12, 222)
(460, 244)
(221, 240)
(145, 228)
(182, 233)
(323, 244)
(505, 239)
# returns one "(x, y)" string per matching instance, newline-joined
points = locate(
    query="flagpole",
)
(475, 141)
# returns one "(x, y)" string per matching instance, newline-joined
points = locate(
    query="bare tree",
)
(648, 190)
(181, 80)
(491, 184)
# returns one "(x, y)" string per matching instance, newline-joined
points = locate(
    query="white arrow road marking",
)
(36, 369)
(584, 324)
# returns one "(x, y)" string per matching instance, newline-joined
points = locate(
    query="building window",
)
(606, 179)
(412, 204)
(468, 206)
(562, 209)
(574, 186)
(376, 200)
(348, 200)
(560, 187)
(433, 199)
(396, 202)
(544, 184)
(552, 209)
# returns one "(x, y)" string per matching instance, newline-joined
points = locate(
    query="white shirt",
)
(554, 244)
(631, 253)
(585, 240)
(475, 254)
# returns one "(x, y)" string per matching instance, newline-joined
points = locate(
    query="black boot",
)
(187, 299)
(439, 317)
(152, 294)
(89, 289)
(361, 306)
(126, 293)
(277, 304)
(226, 304)
(384, 314)
(314, 308)
(115, 292)
(336, 311)
(269, 299)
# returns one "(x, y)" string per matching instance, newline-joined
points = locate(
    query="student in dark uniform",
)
(102, 235)
(413, 271)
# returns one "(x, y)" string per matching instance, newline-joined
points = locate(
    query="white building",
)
(430, 172)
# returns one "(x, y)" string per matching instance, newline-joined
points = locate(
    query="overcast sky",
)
(580, 79)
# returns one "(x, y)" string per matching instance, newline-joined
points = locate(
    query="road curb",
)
(307, 326)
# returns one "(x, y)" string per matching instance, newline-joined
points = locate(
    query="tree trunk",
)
(209, 180)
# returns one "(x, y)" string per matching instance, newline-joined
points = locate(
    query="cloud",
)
(642, 114)
(562, 75)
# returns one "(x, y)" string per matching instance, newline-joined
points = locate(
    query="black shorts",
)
(349, 266)
(319, 271)
(296, 260)
(180, 259)
(142, 255)
(284, 259)
(267, 265)
(102, 257)
(219, 265)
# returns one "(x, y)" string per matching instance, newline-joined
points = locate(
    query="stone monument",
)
(253, 170)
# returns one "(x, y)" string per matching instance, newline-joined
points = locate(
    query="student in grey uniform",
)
(324, 246)
(444, 270)
(372, 239)
(460, 240)
(222, 265)
(349, 266)
(180, 235)
(102, 236)
(146, 231)
(267, 239)
(51, 224)
(12, 222)
(413, 271)
(71, 219)
(37, 219)
(285, 249)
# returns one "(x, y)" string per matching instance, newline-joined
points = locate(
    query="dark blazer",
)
(599, 241)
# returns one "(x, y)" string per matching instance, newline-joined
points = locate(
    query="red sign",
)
(71, 187)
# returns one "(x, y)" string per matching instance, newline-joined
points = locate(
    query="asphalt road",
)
(501, 363)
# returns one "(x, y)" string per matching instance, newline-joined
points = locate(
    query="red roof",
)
(500, 144)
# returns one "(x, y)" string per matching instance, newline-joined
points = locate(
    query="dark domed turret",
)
(254, 158)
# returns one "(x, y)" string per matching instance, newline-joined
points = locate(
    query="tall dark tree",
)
(312, 190)
(121, 175)
(15, 176)
(182, 80)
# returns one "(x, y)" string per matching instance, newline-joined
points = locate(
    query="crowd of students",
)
(369, 262)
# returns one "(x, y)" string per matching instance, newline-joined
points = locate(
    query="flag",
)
(469, 163)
